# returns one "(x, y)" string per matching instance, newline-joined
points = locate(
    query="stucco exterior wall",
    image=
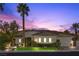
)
(65, 41)
(77, 43)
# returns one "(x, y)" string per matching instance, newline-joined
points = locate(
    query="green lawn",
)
(37, 49)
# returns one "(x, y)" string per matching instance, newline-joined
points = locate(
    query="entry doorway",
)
(72, 44)
(28, 41)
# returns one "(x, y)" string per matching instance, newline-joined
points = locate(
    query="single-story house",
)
(46, 37)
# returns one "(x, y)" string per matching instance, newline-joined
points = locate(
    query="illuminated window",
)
(35, 40)
(50, 40)
(19, 40)
(39, 40)
(45, 40)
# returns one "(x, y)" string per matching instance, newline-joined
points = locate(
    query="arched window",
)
(39, 40)
(36, 40)
(44, 39)
(50, 40)
(19, 40)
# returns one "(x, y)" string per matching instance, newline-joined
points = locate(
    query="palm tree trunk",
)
(75, 37)
(23, 23)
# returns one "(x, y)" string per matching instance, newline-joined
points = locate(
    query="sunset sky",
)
(43, 15)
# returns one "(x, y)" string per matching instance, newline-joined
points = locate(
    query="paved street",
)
(58, 53)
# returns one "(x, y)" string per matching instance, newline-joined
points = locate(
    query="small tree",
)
(66, 32)
(8, 33)
(13, 29)
(4, 39)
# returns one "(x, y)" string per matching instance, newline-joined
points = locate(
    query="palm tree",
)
(75, 27)
(23, 9)
(1, 7)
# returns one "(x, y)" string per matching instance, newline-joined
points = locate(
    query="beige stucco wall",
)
(27, 34)
(77, 43)
(65, 41)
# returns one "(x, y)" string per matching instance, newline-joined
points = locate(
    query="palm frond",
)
(1, 7)
(22, 8)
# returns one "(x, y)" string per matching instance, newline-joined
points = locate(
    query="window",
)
(35, 40)
(44, 40)
(39, 40)
(19, 40)
(50, 40)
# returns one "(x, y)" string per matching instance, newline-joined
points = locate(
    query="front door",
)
(28, 42)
